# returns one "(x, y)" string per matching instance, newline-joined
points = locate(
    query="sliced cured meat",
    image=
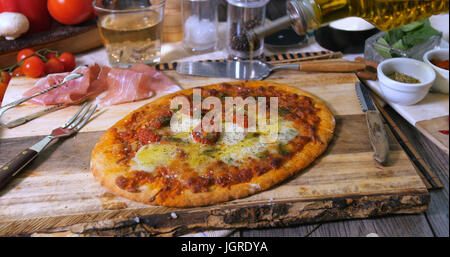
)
(124, 86)
(135, 83)
(118, 84)
(157, 81)
(73, 91)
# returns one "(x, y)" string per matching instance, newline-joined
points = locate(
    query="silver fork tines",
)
(76, 122)
(79, 120)
(74, 116)
(87, 117)
(13, 167)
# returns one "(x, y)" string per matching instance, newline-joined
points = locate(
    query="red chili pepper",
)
(35, 11)
(445, 132)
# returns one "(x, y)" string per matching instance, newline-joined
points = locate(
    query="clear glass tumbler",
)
(244, 15)
(200, 24)
(131, 30)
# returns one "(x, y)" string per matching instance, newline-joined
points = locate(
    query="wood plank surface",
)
(436, 215)
(57, 192)
(438, 160)
(433, 222)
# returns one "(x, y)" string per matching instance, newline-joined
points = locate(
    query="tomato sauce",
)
(144, 128)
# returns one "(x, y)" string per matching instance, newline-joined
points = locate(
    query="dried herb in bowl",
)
(401, 77)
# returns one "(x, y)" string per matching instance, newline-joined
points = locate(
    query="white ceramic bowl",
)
(441, 83)
(405, 93)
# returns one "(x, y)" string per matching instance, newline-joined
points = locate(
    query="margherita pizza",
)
(165, 153)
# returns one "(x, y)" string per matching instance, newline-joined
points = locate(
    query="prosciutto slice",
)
(72, 91)
(157, 82)
(110, 85)
(136, 83)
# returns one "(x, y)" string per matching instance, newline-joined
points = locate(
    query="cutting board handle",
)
(332, 66)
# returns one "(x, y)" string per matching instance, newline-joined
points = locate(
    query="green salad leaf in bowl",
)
(404, 38)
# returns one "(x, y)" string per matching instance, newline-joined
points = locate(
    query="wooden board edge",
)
(429, 134)
(257, 215)
(63, 45)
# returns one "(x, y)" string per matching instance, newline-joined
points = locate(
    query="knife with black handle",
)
(377, 132)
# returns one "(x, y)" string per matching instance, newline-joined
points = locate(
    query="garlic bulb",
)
(12, 25)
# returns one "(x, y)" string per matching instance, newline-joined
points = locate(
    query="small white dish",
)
(441, 83)
(405, 93)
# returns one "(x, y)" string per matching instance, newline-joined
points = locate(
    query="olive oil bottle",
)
(305, 15)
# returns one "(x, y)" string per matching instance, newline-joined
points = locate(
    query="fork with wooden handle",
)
(13, 167)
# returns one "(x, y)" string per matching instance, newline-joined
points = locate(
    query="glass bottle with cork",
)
(306, 15)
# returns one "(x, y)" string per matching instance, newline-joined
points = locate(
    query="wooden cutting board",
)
(57, 193)
(431, 129)
(72, 39)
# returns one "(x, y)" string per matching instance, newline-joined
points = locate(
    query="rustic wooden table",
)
(434, 222)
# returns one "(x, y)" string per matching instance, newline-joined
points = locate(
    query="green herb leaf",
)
(172, 139)
(263, 154)
(420, 36)
(384, 51)
(382, 41)
(399, 45)
(282, 150)
(210, 152)
(284, 111)
(412, 26)
(394, 36)
(406, 37)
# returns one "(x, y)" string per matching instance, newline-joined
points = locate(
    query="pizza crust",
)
(105, 168)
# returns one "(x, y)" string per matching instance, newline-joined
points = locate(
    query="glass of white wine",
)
(131, 30)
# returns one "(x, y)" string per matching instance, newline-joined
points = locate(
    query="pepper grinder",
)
(200, 25)
(243, 16)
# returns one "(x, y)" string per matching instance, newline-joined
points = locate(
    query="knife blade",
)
(377, 132)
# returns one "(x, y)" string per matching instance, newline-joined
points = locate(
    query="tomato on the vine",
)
(50, 55)
(70, 12)
(4, 81)
(24, 53)
(17, 72)
(53, 65)
(33, 67)
(68, 60)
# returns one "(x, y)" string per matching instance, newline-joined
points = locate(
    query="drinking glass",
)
(200, 24)
(131, 30)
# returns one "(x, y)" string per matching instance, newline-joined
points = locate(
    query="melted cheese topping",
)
(232, 148)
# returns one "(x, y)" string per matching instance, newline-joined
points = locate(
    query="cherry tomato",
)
(68, 60)
(24, 53)
(204, 137)
(50, 55)
(33, 67)
(4, 81)
(70, 12)
(53, 65)
(146, 136)
(17, 72)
